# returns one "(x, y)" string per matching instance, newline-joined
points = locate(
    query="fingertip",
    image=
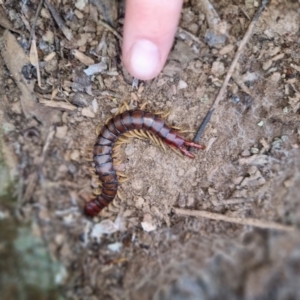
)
(149, 31)
(144, 60)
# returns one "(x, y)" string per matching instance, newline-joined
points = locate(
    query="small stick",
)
(59, 21)
(243, 43)
(112, 30)
(32, 31)
(219, 217)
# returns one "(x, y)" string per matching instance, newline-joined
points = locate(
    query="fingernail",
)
(144, 58)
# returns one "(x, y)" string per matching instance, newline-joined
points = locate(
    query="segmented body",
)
(120, 124)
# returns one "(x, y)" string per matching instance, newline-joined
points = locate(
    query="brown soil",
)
(139, 248)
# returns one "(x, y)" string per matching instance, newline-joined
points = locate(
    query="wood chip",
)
(82, 57)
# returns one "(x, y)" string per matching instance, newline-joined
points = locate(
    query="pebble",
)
(147, 223)
(115, 247)
(226, 49)
(139, 201)
(80, 4)
(86, 112)
(95, 105)
(254, 150)
(61, 131)
(267, 64)
(75, 154)
(8, 127)
(78, 14)
(190, 201)
(218, 68)
(81, 99)
(16, 107)
(275, 77)
(181, 85)
(246, 153)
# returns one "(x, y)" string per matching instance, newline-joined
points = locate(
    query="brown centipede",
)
(120, 124)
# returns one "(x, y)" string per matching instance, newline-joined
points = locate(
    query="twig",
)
(243, 43)
(32, 31)
(203, 125)
(219, 217)
(59, 21)
(112, 30)
(190, 35)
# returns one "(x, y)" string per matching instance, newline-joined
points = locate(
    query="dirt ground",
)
(139, 248)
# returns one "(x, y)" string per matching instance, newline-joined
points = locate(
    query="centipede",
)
(103, 149)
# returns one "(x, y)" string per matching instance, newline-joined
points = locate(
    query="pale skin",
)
(149, 30)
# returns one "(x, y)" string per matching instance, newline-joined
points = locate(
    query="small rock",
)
(115, 247)
(81, 99)
(8, 127)
(75, 155)
(61, 131)
(267, 64)
(190, 201)
(274, 51)
(249, 77)
(172, 68)
(226, 49)
(78, 14)
(254, 150)
(95, 105)
(147, 223)
(104, 227)
(275, 77)
(246, 153)
(16, 107)
(80, 4)
(181, 85)
(139, 202)
(96, 68)
(218, 68)
(51, 65)
(87, 112)
(260, 124)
